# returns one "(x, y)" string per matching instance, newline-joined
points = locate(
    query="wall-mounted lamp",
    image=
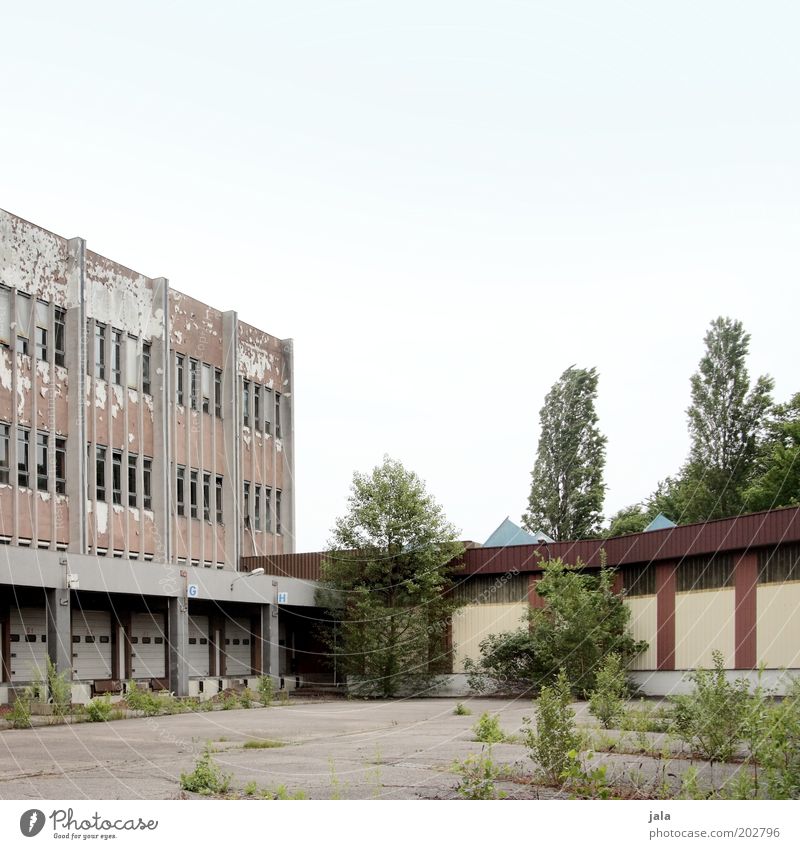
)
(252, 574)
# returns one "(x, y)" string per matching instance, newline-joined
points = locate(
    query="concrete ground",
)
(333, 749)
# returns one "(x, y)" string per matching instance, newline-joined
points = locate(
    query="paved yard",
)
(335, 749)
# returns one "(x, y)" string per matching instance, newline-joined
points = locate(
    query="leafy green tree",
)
(385, 579)
(582, 622)
(567, 489)
(628, 520)
(777, 477)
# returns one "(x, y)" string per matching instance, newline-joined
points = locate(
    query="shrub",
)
(141, 700)
(775, 747)
(583, 782)
(99, 710)
(462, 710)
(59, 690)
(606, 700)
(230, 701)
(246, 698)
(555, 735)
(206, 778)
(20, 714)
(712, 719)
(487, 729)
(250, 788)
(478, 776)
(265, 690)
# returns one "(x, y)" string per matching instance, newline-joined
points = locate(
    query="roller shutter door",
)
(28, 643)
(197, 655)
(237, 647)
(91, 644)
(147, 645)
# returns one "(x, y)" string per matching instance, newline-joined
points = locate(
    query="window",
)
(193, 383)
(100, 471)
(246, 506)
(267, 410)
(5, 315)
(206, 388)
(4, 469)
(146, 368)
(639, 580)
(278, 528)
(268, 506)
(42, 440)
(256, 407)
(277, 418)
(100, 351)
(147, 474)
(60, 328)
(257, 505)
(218, 393)
(23, 322)
(779, 564)
(23, 444)
(133, 462)
(61, 465)
(218, 499)
(180, 491)
(704, 573)
(116, 356)
(207, 496)
(246, 403)
(180, 365)
(193, 494)
(132, 362)
(42, 321)
(116, 477)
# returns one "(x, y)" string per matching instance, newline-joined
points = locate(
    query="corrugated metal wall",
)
(778, 620)
(704, 621)
(473, 623)
(644, 626)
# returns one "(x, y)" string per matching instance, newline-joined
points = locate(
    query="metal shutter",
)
(197, 655)
(28, 644)
(237, 647)
(148, 645)
(91, 644)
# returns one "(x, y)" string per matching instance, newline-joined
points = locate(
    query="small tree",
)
(555, 735)
(777, 470)
(385, 579)
(611, 685)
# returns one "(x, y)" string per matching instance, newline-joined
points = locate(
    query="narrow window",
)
(23, 445)
(193, 383)
(42, 320)
(100, 351)
(132, 362)
(278, 528)
(257, 508)
(116, 356)
(5, 315)
(193, 493)
(4, 459)
(246, 403)
(207, 496)
(218, 499)
(133, 480)
(268, 506)
(180, 365)
(218, 393)
(278, 417)
(116, 477)
(146, 368)
(180, 492)
(23, 322)
(60, 328)
(246, 510)
(100, 469)
(147, 474)
(206, 388)
(267, 410)
(256, 406)
(42, 441)
(61, 465)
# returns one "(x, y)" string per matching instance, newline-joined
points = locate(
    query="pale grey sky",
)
(445, 204)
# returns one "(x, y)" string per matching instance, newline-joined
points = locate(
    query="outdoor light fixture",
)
(258, 571)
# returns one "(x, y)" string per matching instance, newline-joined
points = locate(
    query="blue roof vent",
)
(660, 523)
(510, 534)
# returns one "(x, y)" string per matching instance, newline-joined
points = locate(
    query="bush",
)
(606, 700)
(555, 735)
(142, 701)
(487, 729)
(59, 690)
(265, 690)
(99, 710)
(712, 719)
(20, 714)
(775, 746)
(206, 778)
(246, 698)
(462, 710)
(478, 776)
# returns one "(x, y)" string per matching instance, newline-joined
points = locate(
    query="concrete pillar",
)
(178, 631)
(270, 642)
(59, 630)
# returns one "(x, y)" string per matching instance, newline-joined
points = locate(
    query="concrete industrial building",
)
(146, 445)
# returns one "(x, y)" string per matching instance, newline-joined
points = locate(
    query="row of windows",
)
(195, 492)
(117, 462)
(258, 406)
(26, 310)
(108, 358)
(260, 519)
(201, 393)
(45, 442)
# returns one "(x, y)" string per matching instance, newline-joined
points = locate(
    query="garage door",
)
(237, 647)
(147, 645)
(197, 655)
(91, 644)
(28, 643)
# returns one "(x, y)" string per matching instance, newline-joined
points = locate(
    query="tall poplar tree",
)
(567, 489)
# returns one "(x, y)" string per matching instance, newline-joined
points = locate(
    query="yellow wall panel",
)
(475, 622)
(778, 625)
(644, 626)
(704, 621)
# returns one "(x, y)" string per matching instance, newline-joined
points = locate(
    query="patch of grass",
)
(250, 788)
(263, 744)
(206, 778)
(99, 709)
(462, 710)
(487, 729)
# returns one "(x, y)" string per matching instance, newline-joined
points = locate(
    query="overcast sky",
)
(445, 204)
